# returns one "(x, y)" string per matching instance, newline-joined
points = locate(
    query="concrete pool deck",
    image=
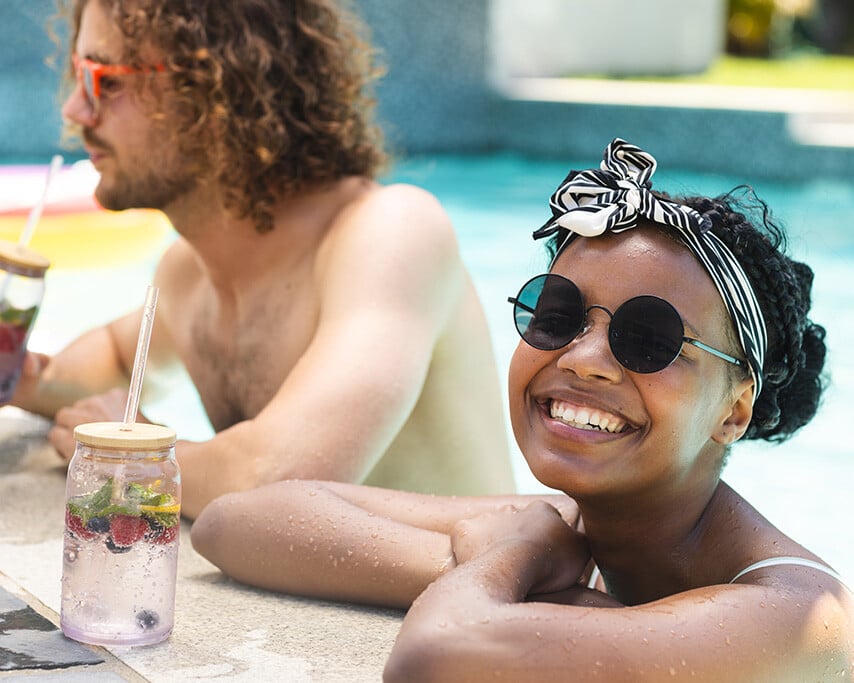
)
(223, 631)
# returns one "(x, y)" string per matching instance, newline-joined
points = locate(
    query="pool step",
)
(745, 131)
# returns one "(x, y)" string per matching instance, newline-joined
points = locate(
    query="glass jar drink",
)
(122, 520)
(21, 290)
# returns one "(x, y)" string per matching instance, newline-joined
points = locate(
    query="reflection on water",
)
(495, 203)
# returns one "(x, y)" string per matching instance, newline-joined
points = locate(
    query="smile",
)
(586, 418)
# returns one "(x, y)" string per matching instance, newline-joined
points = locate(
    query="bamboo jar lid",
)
(121, 436)
(20, 259)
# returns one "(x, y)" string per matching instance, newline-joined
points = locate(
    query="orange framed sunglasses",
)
(95, 76)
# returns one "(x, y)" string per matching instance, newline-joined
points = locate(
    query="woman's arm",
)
(474, 624)
(340, 541)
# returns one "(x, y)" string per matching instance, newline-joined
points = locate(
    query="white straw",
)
(36, 212)
(141, 354)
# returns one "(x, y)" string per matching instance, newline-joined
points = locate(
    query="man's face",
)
(127, 131)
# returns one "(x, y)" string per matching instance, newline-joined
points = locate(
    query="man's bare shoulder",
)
(415, 206)
(179, 266)
(399, 221)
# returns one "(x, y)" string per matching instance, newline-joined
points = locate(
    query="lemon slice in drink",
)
(172, 508)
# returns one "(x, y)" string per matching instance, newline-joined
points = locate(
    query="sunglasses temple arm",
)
(516, 302)
(714, 351)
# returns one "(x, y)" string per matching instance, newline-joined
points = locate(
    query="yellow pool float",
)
(74, 231)
(88, 239)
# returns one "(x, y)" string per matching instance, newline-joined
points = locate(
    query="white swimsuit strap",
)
(594, 577)
(785, 559)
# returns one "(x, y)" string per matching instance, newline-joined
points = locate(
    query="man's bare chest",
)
(238, 365)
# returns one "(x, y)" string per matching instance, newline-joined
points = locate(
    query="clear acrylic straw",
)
(36, 212)
(141, 355)
(32, 220)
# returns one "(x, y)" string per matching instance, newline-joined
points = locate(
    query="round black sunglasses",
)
(645, 334)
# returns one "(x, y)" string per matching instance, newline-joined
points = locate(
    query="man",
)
(327, 321)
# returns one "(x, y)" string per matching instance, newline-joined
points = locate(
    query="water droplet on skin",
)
(312, 493)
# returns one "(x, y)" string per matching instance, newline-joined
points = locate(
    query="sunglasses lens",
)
(646, 334)
(88, 81)
(549, 312)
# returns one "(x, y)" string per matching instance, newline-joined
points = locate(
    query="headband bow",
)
(613, 198)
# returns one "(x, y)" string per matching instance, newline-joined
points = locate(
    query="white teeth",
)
(586, 418)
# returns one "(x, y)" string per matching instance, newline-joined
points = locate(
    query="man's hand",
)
(106, 407)
(31, 372)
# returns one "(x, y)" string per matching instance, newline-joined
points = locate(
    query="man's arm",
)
(95, 362)
(387, 287)
(388, 278)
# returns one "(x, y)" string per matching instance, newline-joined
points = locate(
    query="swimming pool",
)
(495, 203)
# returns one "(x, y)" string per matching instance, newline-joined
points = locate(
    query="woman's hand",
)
(557, 554)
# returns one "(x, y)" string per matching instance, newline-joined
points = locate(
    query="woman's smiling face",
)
(660, 429)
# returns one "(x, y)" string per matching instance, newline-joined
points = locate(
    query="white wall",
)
(552, 38)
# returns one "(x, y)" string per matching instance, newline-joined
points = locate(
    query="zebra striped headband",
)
(613, 198)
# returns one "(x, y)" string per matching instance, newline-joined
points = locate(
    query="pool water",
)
(495, 203)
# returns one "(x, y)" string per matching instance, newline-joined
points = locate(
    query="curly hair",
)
(273, 95)
(792, 375)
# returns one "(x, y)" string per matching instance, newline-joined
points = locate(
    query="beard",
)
(145, 189)
(155, 181)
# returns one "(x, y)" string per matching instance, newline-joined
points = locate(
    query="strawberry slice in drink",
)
(125, 530)
(74, 523)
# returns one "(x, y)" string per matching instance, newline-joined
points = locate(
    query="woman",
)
(665, 331)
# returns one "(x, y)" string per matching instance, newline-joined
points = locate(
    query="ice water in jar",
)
(22, 287)
(122, 521)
